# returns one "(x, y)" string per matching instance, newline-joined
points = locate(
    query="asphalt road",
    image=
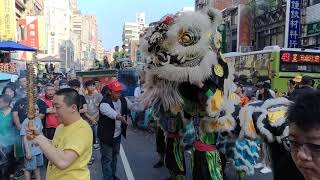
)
(139, 148)
(140, 155)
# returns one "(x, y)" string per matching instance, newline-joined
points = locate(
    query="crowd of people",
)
(60, 103)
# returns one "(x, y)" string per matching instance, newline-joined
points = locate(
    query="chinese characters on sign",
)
(31, 26)
(8, 67)
(294, 31)
(7, 20)
(313, 28)
(299, 57)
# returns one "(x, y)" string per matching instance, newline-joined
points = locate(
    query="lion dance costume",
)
(181, 51)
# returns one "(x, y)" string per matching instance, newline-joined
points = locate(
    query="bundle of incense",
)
(31, 97)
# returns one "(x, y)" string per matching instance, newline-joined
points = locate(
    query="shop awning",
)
(13, 46)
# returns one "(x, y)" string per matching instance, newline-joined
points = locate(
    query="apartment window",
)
(274, 40)
(234, 45)
(234, 20)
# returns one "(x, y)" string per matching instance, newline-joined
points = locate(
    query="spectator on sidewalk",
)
(93, 99)
(62, 84)
(19, 112)
(7, 134)
(264, 91)
(294, 84)
(51, 120)
(243, 99)
(306, 86)
(32, 152)
(10, 91)
(22, 90)
(76, 85)
(71, 148)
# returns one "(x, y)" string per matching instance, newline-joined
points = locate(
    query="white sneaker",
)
(265, 170)
(258, 166)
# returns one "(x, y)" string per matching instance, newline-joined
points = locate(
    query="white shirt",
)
(117, 107)
(107, 110)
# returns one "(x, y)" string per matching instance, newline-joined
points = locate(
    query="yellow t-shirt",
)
(76, 137)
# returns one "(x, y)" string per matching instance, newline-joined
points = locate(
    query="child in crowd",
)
(93, 99)
(33, 153)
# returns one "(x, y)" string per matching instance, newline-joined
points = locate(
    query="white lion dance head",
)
(179, 50)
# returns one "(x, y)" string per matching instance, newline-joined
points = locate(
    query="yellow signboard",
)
(42, 31)
(7, 20)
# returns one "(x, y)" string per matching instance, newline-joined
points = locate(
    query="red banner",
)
(29, 31)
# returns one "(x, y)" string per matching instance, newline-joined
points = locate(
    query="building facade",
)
(217, 4)
(89, 37)
(76, 35)
(58, 14)
(270, 25)
(131, 34)
(251, 26)
(311, 24)
(185, 10)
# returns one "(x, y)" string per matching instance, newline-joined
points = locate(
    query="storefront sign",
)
(7, 20)
(299, 57)
(293, 23)
(30, 28)
(313, 28)
(8, 67)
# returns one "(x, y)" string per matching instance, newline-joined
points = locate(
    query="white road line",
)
(126, 164)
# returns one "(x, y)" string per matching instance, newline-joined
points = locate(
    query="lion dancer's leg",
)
(174, 153)
(206, 158)
(174, 157)
(160, 146)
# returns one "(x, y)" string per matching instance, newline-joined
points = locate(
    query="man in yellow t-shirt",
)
(71, 147)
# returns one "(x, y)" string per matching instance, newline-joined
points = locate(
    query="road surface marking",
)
(126, 164)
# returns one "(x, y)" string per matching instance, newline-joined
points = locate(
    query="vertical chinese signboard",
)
(293, 24)
(7, 20)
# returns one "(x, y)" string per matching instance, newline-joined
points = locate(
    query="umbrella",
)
(50, 59)
(13, 46)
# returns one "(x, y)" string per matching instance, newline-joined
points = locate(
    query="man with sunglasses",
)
(304, 134)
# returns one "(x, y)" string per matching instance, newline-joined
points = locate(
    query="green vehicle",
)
(279, 65)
